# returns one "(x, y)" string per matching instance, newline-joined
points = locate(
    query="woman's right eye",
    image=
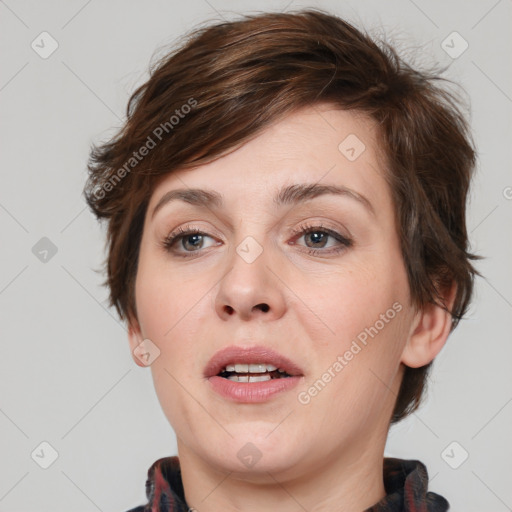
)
(185, 240)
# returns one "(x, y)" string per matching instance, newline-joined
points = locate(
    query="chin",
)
(256, 456)
(259, 469)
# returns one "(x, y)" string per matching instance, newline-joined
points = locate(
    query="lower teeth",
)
(249, 378)
(253, 377)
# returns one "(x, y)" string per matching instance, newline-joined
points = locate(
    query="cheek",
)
(365, 311)
(172, 310)
(356, 375)
(164, 296)
(349, 300)
(168, 310)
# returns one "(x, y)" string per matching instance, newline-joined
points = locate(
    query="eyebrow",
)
(289, 195)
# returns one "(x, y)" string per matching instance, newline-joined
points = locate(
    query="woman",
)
(287, 243)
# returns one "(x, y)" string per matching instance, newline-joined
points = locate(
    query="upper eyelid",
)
(190, 228)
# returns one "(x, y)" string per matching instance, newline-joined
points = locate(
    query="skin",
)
(326, 454)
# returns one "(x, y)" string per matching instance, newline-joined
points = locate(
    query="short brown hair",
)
(235, 78)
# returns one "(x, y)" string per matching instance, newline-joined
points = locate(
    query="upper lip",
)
(255, 354)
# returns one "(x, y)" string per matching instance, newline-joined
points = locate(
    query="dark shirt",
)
(405, 482)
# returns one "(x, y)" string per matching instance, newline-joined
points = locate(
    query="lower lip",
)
(251, 392)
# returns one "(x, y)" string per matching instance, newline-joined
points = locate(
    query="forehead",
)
(319, 144)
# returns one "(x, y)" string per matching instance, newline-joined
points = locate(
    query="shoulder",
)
(164, 487)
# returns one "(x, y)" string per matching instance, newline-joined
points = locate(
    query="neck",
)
(351, 482)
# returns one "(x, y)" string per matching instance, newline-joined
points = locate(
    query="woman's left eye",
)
(191, 240)
(316, 238)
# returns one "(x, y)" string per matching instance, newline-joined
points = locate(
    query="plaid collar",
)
(405, 482)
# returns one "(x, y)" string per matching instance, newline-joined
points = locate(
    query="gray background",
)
(66, 374)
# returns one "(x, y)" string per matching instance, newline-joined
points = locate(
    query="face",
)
(298, 258)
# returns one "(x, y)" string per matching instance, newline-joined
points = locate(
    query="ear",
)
(135, 339)
(430, 330)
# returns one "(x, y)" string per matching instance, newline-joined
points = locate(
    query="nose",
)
(251, 289)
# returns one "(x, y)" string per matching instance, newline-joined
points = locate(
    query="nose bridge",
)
(249, 288)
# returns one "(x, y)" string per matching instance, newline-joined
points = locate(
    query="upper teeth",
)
(251, 368)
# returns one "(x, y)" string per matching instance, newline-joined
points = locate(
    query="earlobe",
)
(430, 331)
(134, 339)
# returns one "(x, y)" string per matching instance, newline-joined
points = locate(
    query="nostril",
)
(264, 307)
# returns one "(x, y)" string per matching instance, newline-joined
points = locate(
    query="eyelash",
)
(305, 229)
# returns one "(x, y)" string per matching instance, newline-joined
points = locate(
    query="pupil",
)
(197, 238)
(317, 236)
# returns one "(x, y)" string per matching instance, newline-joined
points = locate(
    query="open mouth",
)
(257, 372)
